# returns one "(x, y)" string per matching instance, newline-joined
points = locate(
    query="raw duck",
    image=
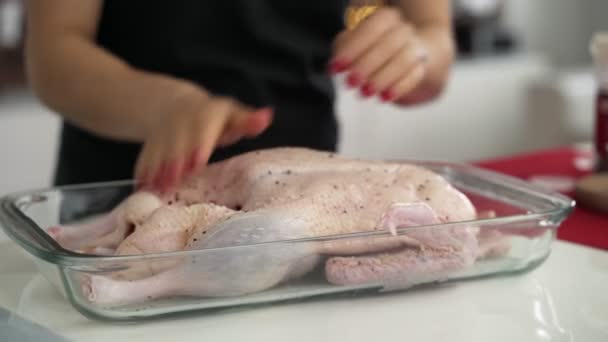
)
(284, 194)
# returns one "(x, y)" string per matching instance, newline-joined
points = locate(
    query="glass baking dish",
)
(519, 226)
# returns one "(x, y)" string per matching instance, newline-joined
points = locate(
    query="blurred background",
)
(522, 82)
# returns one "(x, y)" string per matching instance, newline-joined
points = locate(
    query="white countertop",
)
(565, 299)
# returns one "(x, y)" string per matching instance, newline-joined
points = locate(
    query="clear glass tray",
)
(525, 223)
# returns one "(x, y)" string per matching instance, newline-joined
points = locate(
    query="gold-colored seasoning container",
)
(359, 11)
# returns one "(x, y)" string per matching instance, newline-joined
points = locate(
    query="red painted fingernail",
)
(338, 65)
(368, 90)
(387, 95)
(353, 79)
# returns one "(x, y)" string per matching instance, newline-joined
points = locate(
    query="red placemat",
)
(583, 226)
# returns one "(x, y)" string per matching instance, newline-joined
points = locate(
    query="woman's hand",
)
(184, 137)
(388, 56)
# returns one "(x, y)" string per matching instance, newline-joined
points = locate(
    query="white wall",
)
(28, 140)
(559, 28)
(486, 111)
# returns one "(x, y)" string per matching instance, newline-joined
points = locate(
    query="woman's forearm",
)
(99, 92)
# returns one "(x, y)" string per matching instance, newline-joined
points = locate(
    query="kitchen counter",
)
(565, 299)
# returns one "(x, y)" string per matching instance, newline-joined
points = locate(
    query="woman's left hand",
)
(383, 56)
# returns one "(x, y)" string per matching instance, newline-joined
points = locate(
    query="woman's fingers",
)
(389, 48)
(159, 176)
(205, 133)
(258, 122)
(382, 55)
(245, 123)
(148, 164)
(184, 142)
(173, 171)
(353, 44)
(406, 84)
(167, 152)
(191, 161)
(229, 122)
(387, 78)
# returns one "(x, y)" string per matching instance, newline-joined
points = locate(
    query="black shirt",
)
(261, 52)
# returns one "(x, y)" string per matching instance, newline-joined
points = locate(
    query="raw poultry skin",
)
(283, 194)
